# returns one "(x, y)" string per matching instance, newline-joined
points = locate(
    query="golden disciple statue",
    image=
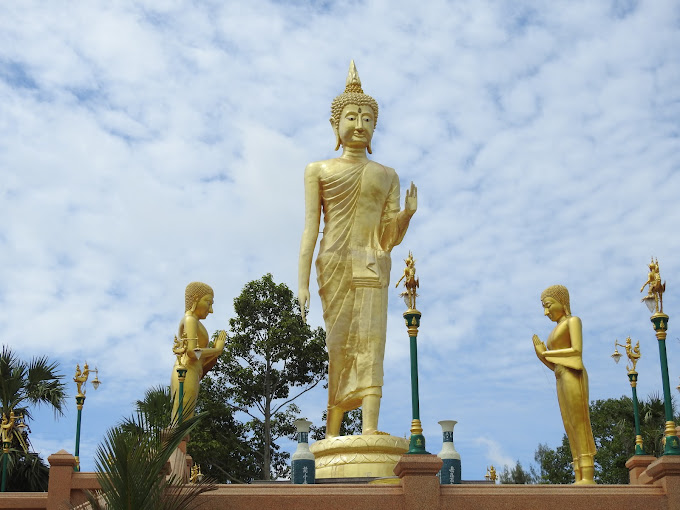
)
(359, 199)
(198, 357)
(563, 355)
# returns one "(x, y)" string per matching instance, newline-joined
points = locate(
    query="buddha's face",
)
(553, 309)
(204, 306)
(355, 127)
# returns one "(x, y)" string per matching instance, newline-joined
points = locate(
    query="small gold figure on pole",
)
(196, 475)
(633, 354)
(411, 283)
(81, 377)
(656, 288)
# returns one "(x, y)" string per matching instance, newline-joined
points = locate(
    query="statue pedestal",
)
(358, 456)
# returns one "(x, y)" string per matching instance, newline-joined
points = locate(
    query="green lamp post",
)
(633, 354)
(412, 318)
(654, 301)
(81, 379)
(9, 425)
(179, 349)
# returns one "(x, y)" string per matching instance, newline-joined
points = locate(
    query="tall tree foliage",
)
(219, 444)
(271, 358)
(517, 475)
(613, 427)
(24, 384)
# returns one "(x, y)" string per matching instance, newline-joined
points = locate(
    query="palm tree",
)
(23, 385)
(131, 467)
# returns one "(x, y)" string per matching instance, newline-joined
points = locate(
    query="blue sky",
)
(144, 145)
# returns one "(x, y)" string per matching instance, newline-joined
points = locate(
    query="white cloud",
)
(144, 146)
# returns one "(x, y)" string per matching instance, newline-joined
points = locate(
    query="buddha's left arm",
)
(570, 357)
(395, 221)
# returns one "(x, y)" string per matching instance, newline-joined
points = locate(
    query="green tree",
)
(219, 444)
(22, 386)
(131, 466)
(516, 475)
(271, 358)
(554, 466)
(613, 427)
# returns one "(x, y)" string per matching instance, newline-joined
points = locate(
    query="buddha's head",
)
(198, 299)
(555, 300)
(351, 108)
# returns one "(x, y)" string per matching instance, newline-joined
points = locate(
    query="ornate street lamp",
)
(81, 379)
(654, 301)
(633, 354)
(179, 349)
(412, 317)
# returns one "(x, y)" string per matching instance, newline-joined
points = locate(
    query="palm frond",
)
(131, 464)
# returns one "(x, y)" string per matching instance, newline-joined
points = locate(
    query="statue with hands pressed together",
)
(194, 350)
(359, 199)
(563, 355)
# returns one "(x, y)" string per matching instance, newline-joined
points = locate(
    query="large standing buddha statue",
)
(359, 199)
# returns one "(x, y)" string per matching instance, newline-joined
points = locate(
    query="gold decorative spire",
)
(353, 83)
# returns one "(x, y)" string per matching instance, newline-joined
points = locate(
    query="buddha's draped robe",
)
(572, 395)
(361, 205)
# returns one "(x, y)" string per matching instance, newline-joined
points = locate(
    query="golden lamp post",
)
(654, 301)
(12, 425)
(633, 354)
(81, 379)
(412, 317)
(179, 349)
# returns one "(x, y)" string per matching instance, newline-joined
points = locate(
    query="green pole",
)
(415, 400)
(417, 442)
(181, 372)
(5, 456)
(639, 449)
(80, 400)
(660, 322)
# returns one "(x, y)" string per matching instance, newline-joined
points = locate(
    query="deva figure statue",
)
(198, 357)
(563, 355)
(359, 199)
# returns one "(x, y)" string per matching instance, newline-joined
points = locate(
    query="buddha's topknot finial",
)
(353, 81)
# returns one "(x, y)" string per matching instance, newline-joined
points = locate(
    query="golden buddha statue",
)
(198, 357)
(563, 355)
(359, 199)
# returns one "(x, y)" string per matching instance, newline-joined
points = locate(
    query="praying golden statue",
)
(563, 355)
(359, 199)
(194, 351)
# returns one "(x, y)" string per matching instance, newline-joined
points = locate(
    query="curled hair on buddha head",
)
(194, 292)
(560, 294)
(353, 94)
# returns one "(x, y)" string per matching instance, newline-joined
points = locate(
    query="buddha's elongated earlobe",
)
(337, 135)
(368, 148)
